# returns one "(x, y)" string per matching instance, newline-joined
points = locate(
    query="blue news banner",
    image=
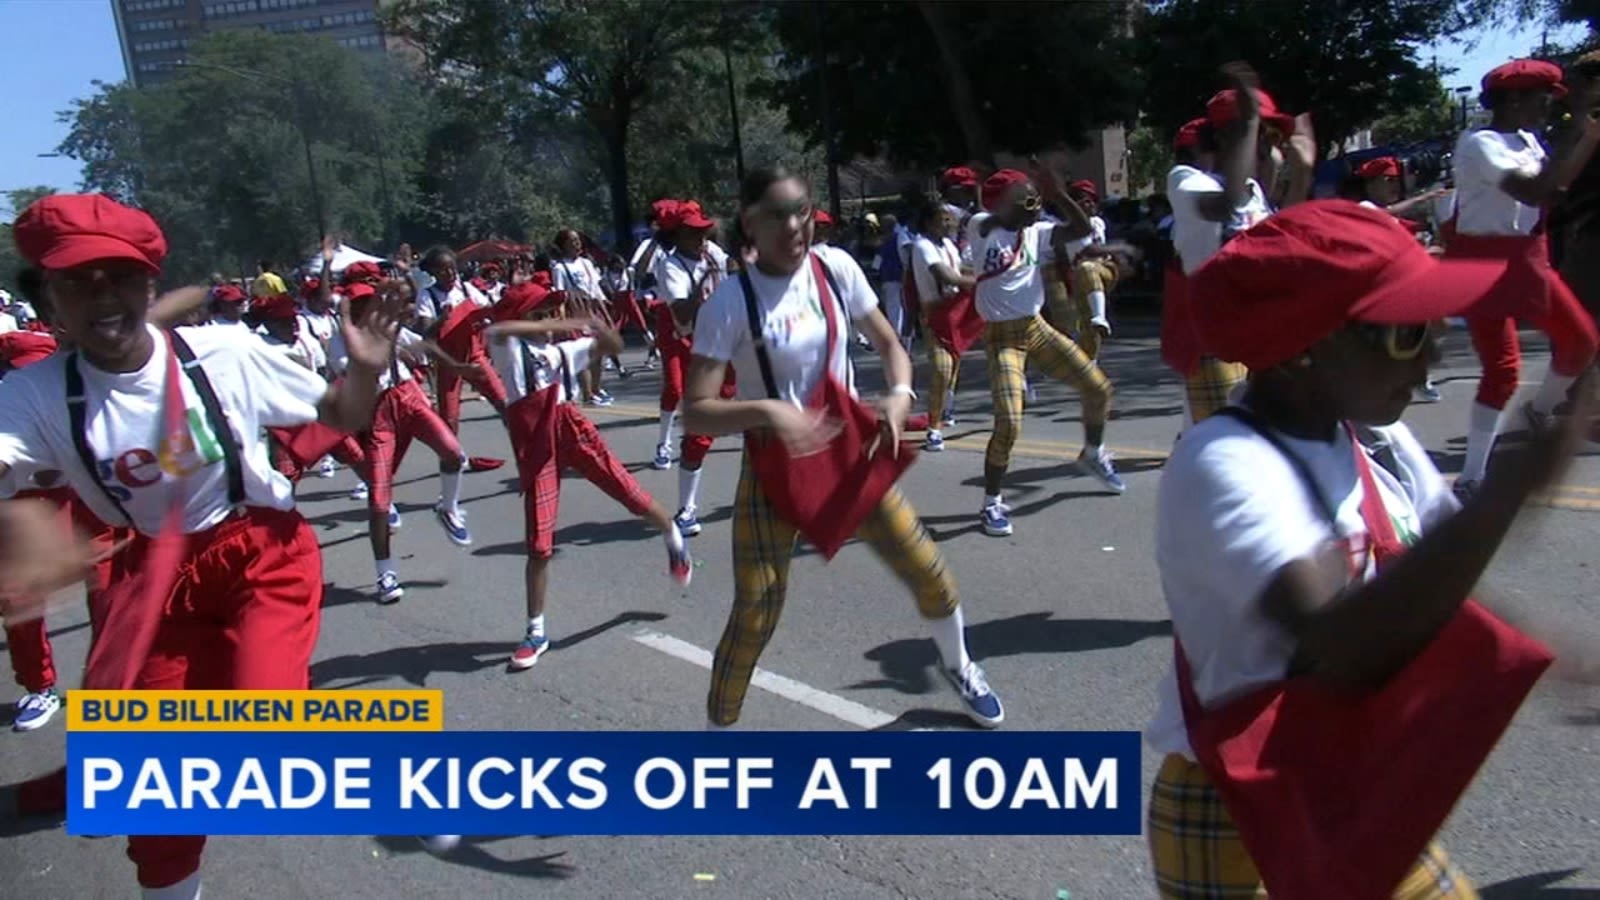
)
(607, 783)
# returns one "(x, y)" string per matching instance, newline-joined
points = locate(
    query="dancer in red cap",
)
(1312, 559)
(939, 281)
(452, 314)
(229, 305)
(550, 433)
(1503, 181)
(1011, 247)
(687, 271)
(223, 587)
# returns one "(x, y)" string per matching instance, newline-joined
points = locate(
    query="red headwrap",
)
(996, 185)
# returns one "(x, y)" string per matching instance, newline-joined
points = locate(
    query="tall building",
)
(155, 34)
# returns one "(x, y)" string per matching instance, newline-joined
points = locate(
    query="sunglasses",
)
(1032, 202)
(1403, 343)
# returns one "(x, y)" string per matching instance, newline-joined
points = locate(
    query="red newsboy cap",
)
(66, 230)
(1525, 75)
(1298, 277)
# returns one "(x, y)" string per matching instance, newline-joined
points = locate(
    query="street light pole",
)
(1461, 94)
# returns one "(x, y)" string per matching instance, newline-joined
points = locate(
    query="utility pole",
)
(832, 144)
(733, 114)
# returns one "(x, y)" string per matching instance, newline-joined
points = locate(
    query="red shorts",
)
(403, 415)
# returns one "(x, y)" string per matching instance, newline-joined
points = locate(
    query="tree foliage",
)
(903, 77)
(218, 153)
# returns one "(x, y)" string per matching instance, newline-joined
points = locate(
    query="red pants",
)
(486, 383)
(579, 446)
(1533, 291)
(243, 616)
(403, 415)
(629, 312)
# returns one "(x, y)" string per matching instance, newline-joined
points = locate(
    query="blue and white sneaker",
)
(1427, 393)
(326, 468)
(934, 442)
(454, 524)
(360, 492)
(389, 589)
(687, 522)
(394, 518)
(36, 710)
(663, 460)
(601, 398)
(1097, 465)
(982, 705)
(996, 519)
(528, 652)
(948, 420)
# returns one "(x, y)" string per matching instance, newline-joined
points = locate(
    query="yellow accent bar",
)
(349, 710)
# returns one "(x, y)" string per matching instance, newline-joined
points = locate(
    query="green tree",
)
(552, 65)
(932, 83)
(218, 153)
(1437, 117)
(1349, 62)
(1149, 159)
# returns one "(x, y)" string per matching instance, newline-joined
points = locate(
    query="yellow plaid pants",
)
(1208, 388)
(1089, 275)
(946, 373)
(1197, 854)
(1011, 345)
(763, 546)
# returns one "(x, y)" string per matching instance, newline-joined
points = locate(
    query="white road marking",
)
(847, 711)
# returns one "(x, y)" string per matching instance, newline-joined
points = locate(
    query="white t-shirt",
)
(545, 365)
(319, 325)
(436, 302)
(1095, 238)
(304, 350)
(1194, 237)
(339, 359)
(1230, 513)
(1019, 292)
(795, 330)
(1482, 161)
(676, 274)
(926, 254)
(577, 277)
(643, 261)
(256, 386)
(8, 322)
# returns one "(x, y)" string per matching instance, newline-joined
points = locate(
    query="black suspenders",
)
(77, 414)
(758, 331)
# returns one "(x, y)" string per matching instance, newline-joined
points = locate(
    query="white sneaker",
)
(187, 889)
(389, 589)
(360, 492)
(36, 710)
(326, 468)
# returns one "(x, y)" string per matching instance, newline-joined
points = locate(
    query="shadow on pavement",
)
(334, 595)
(1539, 887)
(414, 664)
(472, 854)
(907, 664)
(941, 719)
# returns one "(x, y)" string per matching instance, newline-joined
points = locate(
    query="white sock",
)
(187, 889)
(536, 625)
(1480, 441)
(1552, 393)
(385, 567)
(1097, 307)
(450, 491)
(689, 488)
(993, 500)
(668, 419)
(950, 636)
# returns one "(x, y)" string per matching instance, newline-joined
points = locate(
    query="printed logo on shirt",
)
(180, 458)
(1000, 258)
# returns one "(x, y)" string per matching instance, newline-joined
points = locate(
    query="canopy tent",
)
(343, 258)
(483, 251)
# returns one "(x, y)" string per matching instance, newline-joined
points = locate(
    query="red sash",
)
(461, 332)
(1180, 346)
(828, 494)
(1336, 793)
(955, 322)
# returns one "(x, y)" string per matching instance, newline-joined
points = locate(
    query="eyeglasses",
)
(1403, 343)
(1032, 202)
(781, 213)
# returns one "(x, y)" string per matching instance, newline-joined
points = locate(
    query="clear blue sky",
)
(54, 49)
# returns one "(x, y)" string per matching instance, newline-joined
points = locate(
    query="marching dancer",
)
(575, 274)
(793, 296)
(550, 433)
(1503, 180)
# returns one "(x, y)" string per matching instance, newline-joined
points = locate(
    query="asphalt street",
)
(1066, 616)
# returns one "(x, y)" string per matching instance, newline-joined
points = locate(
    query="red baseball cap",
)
(960, 176)
(822, 217)
(1301, 275)
(228, 293)
(521, 299)
(361, 271)
(1189, 134)
(1223, 109)
(274, 306)
(359, 291)
(688, 214)
(663, 207)
(996, 185)
(22, 348)
(1383, 166)
(1526, 75)
(1084, 186)
(310, 287)
(66, 230)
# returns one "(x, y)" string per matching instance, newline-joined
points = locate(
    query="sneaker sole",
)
(996, 532)
(1090, 472)
(660, 468)
(517, 665)
(390, 599)
(33, 724)
(935, 448)
(459, 542)
(690, 531)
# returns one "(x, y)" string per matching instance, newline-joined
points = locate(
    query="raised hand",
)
(1242, 78)
(330, 247)
(1303, 143)
(369, 339)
